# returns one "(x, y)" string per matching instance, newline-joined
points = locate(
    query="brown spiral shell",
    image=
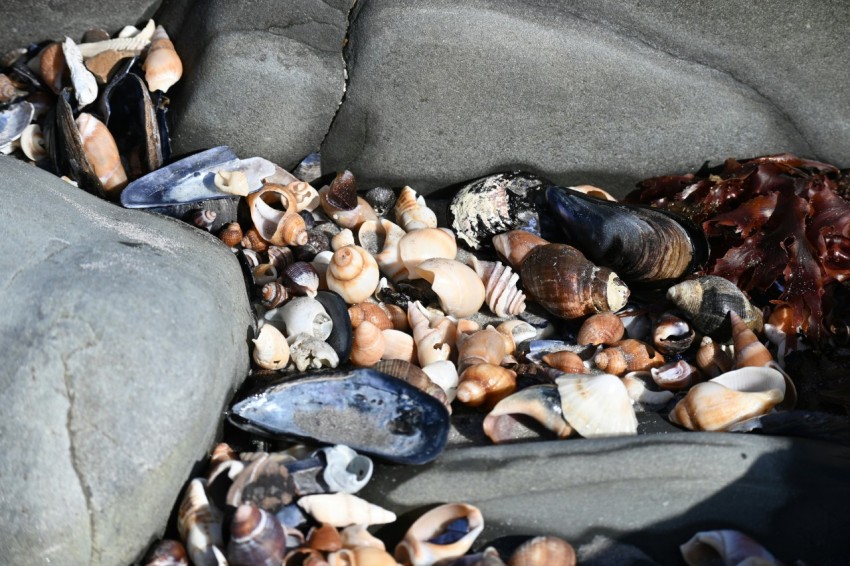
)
(485, 385)
(281, 256)
(371, 312)
(515, 245)
(7, 89)
(368, 345)
(628, 355)
(273, 295)
(603, 328)
(231, 234)
(253, 241)
(712, 359)
(565, 361)
(256, 537)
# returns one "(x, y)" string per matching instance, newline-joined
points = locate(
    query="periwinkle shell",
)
(367, 410)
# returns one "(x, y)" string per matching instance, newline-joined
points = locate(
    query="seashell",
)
(85, 85)
(304, 197)
(488, 557)
(411, 211)
(203, 219)
(301, 278)
(102, 153)
(548, 550)
(346, 471)
(32, 143)
(712, 359)
(135, 44)
(672, 335)
(594, 192)
(344, 509)
(447, 531)
(281, 228)
(675, 376)
(232, 183)
(444, 374)
(492, 205)
(519, 330)
(398, 346)
(381, 199)
(749, 352)
(706, 302)
(369, 411)
(565, 361)
(515, 245)
(342, 239)
(14, 121)
(603, 328)
(8, 92)
(628, 355)
(482, 347)
(264, 273)
(431, 343)
(729, 399)
(324, 538)
(302, 556)
(192, 179)
(413, 375)
(318, 241)
(368, 346)
(199, 524)
(167, 553)
(356, 536)
(485, 384)
(460, 290)
(643, 245)
(252, 240)
(162, 65)
(727, 547)
(341, 194)
(371, 312)
(302, 315)
(309, 352)
(567, 285)
(423, 244)
(265, 482)
(361, 556)
(281, 256)
(252, 258)
(256, 538)
(352, 273)
(52, 66)
(539, 402)
(104, 64)
(321, 263)
(133, 31)
(597, 405)
(500, 287)
(271, 351)
(397, 315)
(389, 259)
(637, 323)
(636, 385)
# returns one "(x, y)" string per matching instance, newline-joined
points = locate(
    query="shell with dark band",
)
(707, 301)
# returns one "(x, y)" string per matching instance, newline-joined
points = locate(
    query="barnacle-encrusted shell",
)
(628, 355)
(102, 153)
(423, 544)
(485, 384)
(271, 351)
(368, 346)
(515, 245)
(540, 402)
(309, 352)
(425, 243)
(707, 300)
(256, 537)
(344, 509)
(548, 550)
(460, 290)
(352, 273)
(597, 405)
(602, 328)
(500, 287)
(162, 65)
(566, 284)
(412, 212)
(199, 524)
(725, 547)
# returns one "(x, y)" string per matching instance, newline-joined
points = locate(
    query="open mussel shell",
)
(65, 146)
(14, 120)
(643, 245)
(367, 410)
(133, 123)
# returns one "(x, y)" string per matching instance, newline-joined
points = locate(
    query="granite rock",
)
(263, 79)
(587, 92)
(124, 335)
(32, 21)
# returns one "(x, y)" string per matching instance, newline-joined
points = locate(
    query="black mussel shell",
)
(133, 124)
(642, 245)
(369, 411)
(342, 337)
(13, 121)
(70, 157)
(161, 103)
(105, 99)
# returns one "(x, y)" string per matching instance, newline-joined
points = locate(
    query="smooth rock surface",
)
(653, 492)
(32, 21)
(261, 77)
(607, 92)
(123, 336)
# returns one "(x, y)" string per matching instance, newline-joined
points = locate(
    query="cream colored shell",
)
(352, 273)
(425, 243)
(412, 212)
(343, 510)
(271, 351)
(416, 547)
(460, 290)
(597, 405)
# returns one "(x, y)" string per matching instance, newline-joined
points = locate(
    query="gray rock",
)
(123, 336)
(261, 78)
(609, 92)
(653, 492)
(32, 21)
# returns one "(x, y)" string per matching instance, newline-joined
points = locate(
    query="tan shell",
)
(325, 538)
(303, 196)
(162, 65)
(713, 407)
(431, 345)
(500, 287)
(482, 347)
(444, 374)
(515, 245)
(603, 328)
(135, 44)
(367, 345)
(103, 64)
(371, 312)
(356, 536)
(425, 243)
(712, 358)
(352, 218)
(352, 273)
(548, 550)
(386, 235)
(341, 239)
(565, 361)
(199, 525)
(415, 548)
(361, 556)
(397, 315)
(519, 330)
(231, 234)
(595, 192)
(102, 152)
(485, 384)
(460, 290)
(398, 346)
(412, 212)
(597, 405)
(271, 350)
(343, 509)
(232, 182)
(281, 228)
(52, 66)
(628, 355)
(749, 351)
(415, 376)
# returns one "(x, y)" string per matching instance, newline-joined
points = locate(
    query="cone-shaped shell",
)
(256, 537)
(749, 351)
(343, 509)
(540, 402)
(271, 350)
(425, 243)
(481, 347)
(597, 405)
(485, 384)
(412, 212)
(628, 355)
(102, 153)
(352, 273)
(398, 345)
(725, 547)
(707, 300)
(162, 65)
(515, 245)
(460, 290)
(368, 345)
(566, 284)
(422, 544)
(548, 550)
(604, 328)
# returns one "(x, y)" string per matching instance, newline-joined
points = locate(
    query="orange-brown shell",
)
(102, 152)
(52, 66)
(515, 245)
(231, 234)
(484, 346)
(325, 537)
(367, 345)
(485, 384)
(397, 315)
(253, 241)
(712, 359)
(749, 351)
(548, 550)
(371, 312)
(603, 328)
(565, 361)
(628, 355)
(162, 65)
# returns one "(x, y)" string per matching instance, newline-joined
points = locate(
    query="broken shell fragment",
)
(628, 355)
(356, 536)
(460, 290)
(425, 243)
(14, 121)
(398, 346)
(162, 65)
(232, 182)
(256, 537)
(447, 531)
(346, 470)
(637, 382)
(727, 547)
(85, 85)
(603, 328)
(32, 143)
(597, 405)
(271, 350)
(344, 509)
(548, 550)
(539, 402)
(672, 335)
(500, 287)
(675, 376)
(444, 374)
(303, 315)
(707, 300)
(308, 352)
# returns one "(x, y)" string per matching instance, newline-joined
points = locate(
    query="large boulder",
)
(31, 21)
(602, 92)
(124, 334)
(263, 78)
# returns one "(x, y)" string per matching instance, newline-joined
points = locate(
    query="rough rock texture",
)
(653, 492)
(604, 92)
(31, 21)
(263, 78)
(123, 336)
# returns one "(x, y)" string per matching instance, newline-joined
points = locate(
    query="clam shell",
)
(162, 66)
(32, 143)
(603, 328)
(548, 550)
(447, 531)
(539, 402)
(707, 300)
(271, 350)
(344, 509)
(725, 547)
(256, 537)
(597, 405)
(411, 211)
(134, 120)
(460, 290)
(369, 411)
(485, 385)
